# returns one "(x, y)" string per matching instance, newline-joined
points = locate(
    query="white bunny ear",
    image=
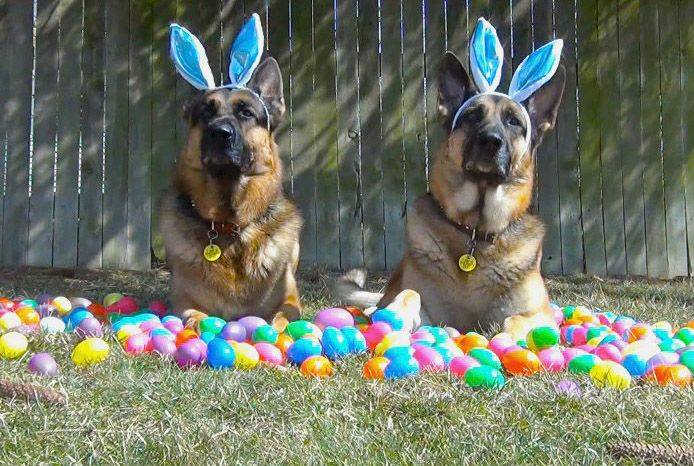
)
(486, 56)
(246, 51)
(188, 55)
(535, 70)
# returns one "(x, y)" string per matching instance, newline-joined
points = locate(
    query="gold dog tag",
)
(212, 252)
(467, 262)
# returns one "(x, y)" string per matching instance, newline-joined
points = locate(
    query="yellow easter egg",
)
(90, 351)
(126, 331)
(13, 345)
(391, 340)
(62, 305)
(247, 356)
(112, 298)
(9, 320)
(610, 374)
(595, 341)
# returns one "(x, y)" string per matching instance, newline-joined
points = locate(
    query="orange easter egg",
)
(375, 367)
(317, 366)
(521, 362)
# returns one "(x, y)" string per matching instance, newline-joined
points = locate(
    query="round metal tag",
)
(212, 252)
(467, 262)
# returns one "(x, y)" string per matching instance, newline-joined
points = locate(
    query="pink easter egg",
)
(137, 343)
(579, 336)
(150, 325)
(163, 345)
(269, 353)
(334, 317)
(552, 359)
(374, 333)
(585, 347)
(619, 344)
(173, 326)
(127, 305)
(428, 358)
(570, 353)
(158, 308)
(558, 316)
(460, 364)
(608, 352)
(499, 344)
(189, 354)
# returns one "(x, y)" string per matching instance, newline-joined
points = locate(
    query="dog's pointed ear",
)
(267, 82)
(543, 104)
(455, 87)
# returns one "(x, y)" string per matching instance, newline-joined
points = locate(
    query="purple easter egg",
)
(188, 354)
(89, 327)
(163, 345)
(43, 364)
(233, 331)
(567, 388)
(174, 326)
(334, 317)
(664, 358)
(250, 323)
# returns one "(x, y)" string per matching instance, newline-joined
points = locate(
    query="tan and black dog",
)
(481, 182)
(228, 193)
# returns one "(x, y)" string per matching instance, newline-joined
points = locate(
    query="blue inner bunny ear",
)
(188, 55)
(486, 56)
(246, 51)
(535, 70)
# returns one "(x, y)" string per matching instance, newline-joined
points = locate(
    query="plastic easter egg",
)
(638, 332)
(471, 340)
(374, 368)
(685, 335)
(399, 338)
(13, 345)
(552, 359)
(265, 333)
(540, 338)
(302, 349)
(354, 338)
(43, 364)
(188, 354)
(401, 367)
(485, 357)
(662, 359)
(247, 356)
(644, 348)
(126, 305)
(676, 374)
(213, 325)
(448, 351)
(334, 317)
(250, 323)
(670, 344)
(440, 335)
(460, 365)
(567, 388)
(111, 298)
(62, 305)
(335, 344)
(687, 359)
(77, 315)
(89, 327)
(52, 324)
(596, 333)
(9, 320)
(635, 365)
(484, 377)
(390, 317)
(185, 335)
(220, 354)
(608, 352)
(399, 352)
(301, 328)
(521, 362)
(582, 364)
(283, 343)
(610, 374)
(90, 351)
(374, 333)
(429, 359)
(269, 353)
(136, 344)
(234, 331)
(162, 345)
(579, 336)
(452, 333)
(29, 315)
(126, 331)
(500, 343)
(317, 366)
(207, 336)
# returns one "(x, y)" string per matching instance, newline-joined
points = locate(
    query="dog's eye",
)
(473, 114)
(246, 113)
(513, 121)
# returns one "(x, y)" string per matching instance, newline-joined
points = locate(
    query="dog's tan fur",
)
(255, 274)
(506, 288)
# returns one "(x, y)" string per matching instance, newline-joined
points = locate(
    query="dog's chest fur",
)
(247, 278)
(505, 280)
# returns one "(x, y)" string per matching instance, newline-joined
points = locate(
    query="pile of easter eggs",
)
(611, 350)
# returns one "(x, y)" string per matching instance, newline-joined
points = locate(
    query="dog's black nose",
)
(223, 131)
(491, 141)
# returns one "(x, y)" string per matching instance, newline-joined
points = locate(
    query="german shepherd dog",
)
(481, 185)
(228, 194)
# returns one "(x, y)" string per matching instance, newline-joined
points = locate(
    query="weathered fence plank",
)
(686, 17)
(44, 133)
(17, 114)
(4, 97)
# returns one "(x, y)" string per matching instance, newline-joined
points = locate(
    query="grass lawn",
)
(145, 410)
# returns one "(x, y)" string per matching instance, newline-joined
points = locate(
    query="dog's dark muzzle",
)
(222, 145)
(488, 157)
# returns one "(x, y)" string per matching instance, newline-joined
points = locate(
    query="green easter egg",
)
(583, 364)
(685, 335)
(540, 338)
(687, 359)
(265, 333)
(484, 377)
(212, 324)
(485, 357)
(299, 328)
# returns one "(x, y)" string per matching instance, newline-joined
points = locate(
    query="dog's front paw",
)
(192, 318)
(287, 313)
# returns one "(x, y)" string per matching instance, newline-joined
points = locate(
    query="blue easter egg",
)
(220, 354)
(389, 317)
(335, 344)
(635, 365)
(302, 349)
(207, 336)
(355, 340)
(608, 339)
(439, 333)
(73, 319)
(670, 344)
(163, 332)
(170, 317)
(397, 352)
(401, 367)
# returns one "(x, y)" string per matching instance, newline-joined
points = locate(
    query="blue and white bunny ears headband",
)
(487, 58)
(190, 59)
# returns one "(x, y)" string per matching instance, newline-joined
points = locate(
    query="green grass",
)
(145, 410)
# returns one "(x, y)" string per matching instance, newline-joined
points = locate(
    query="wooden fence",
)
(92, 127)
